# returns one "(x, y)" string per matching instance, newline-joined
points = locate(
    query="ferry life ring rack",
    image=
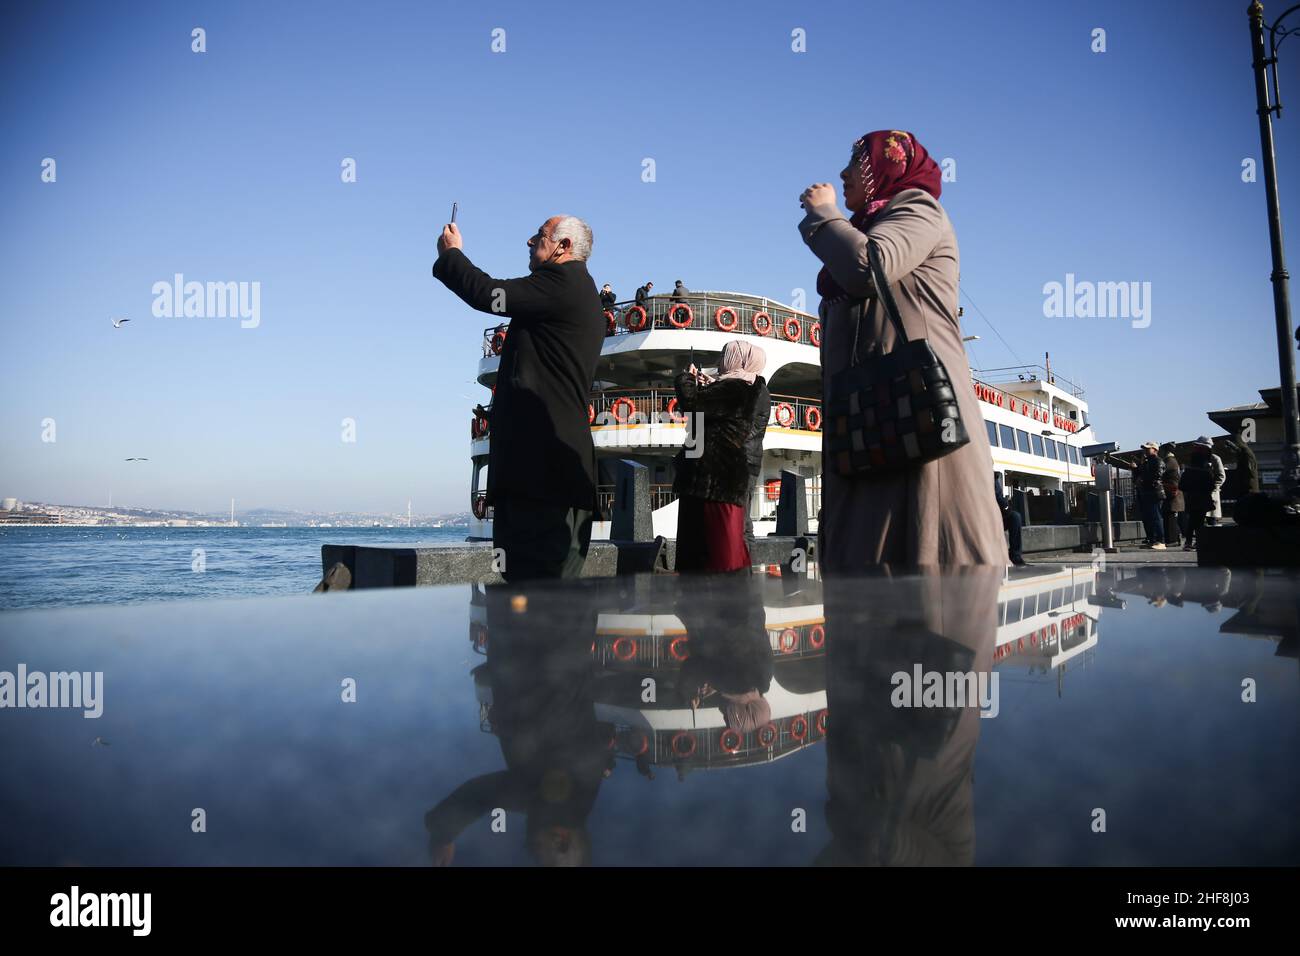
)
(591, 414)
(672, 315)
(815, 334)
(730, 740)
(812, 417)
(480, 507)
(767, 735)
(673, 413)
(785, 414)
(772, 488)
(822, 722)
(622, 409)
(799, 727)
(792, 328)
(478, 427)
(642, 743)
(789, 640)
(817, 637)
(498, 341)
(636, 318)
(624, 648)
(725, 319)
(610, 324)
(683, 744)
(762, 323)
(679, 648)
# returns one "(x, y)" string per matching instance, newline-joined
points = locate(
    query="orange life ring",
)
(767, 735)
(729, 323)
(610, 324)
(789, 640)
(785, 414)
(815, 334)
(812, 417)
(792, 322)
(642, 743)
(730, 740)
(480, 508)
(624, 648)
(498, 342)
(799, 727)
(821, 723)
(673, 413)
(817, 636)
(679, 648)
(619, 404)
(762, 323)
(678, 749)
(772, 488)
(591, 413)
(672, 315)
(636, 318)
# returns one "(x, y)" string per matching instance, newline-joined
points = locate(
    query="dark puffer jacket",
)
(721, 473)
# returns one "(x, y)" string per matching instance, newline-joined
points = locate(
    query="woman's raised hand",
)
(818, 194)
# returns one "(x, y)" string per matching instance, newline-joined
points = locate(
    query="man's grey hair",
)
(577, 232)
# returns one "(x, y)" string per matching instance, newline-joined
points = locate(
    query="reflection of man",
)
(541, 463)
(542, 680)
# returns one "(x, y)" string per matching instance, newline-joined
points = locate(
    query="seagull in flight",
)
(136, 459)
(117, 323)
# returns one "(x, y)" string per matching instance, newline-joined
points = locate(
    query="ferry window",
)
(1013, 611)
(993, 433)
(1038, 446)
(1002, 614)
(1051, 447)
(1073, 454)
(1008, 437)
(1023, 437)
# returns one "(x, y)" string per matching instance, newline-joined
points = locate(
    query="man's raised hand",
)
(450, 238)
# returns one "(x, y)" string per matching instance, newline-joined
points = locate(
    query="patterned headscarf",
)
(889, 161)
(743, 360)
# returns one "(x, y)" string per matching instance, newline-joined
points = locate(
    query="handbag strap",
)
(883, 291)
(884, 295)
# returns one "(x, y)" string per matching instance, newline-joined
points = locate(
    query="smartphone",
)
(453, 212)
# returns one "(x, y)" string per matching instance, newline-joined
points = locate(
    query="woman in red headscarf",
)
(943, 512)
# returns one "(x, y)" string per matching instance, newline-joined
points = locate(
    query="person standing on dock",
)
(541, 478)
(1148, 483)
(712, 489)
(935, 514)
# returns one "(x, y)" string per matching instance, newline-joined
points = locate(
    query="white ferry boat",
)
(1036, 421)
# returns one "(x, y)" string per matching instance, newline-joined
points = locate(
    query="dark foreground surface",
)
(1137, 716)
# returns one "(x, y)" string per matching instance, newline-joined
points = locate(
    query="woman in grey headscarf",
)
(712, 482)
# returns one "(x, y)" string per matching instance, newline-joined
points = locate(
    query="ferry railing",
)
(704, 308)
(1009, 374)
(797, 412)
(661, 494)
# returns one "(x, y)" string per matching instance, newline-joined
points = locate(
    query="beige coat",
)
(943, 512)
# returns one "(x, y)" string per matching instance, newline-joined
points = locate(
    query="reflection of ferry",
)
(647, 641)
(1036, 422)
(1046, 620)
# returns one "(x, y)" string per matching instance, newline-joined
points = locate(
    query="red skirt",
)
(710, 536)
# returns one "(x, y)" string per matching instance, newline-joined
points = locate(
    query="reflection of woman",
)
(542, 677)
(713, 489)
(900, 779)
(940, 513)
(730, 665)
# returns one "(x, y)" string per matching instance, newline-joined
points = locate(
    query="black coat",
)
(607, 299)
(541, 445)
(721, 473)
(758, 427)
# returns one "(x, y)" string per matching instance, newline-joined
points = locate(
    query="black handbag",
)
(895, 410)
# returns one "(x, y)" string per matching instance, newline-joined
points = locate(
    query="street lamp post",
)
(1048, 433)
(1289, 479)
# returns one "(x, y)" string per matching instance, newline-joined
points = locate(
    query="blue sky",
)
(225, 166)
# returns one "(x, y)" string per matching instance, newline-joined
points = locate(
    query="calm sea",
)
(51, 567)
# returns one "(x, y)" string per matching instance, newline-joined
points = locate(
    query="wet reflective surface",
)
(1140, 716)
